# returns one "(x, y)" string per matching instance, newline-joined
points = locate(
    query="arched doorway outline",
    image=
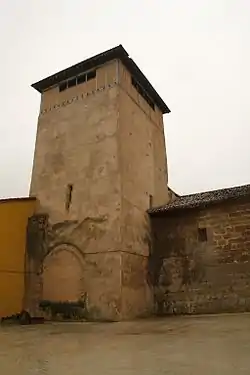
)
(54, 252)
(62, 246)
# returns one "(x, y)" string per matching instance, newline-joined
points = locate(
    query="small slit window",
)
(150, 201)
(68, 197)
(202, 234)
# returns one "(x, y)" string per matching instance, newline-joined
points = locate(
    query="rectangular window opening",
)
(143, 93)
(72, 82)
(62, 86)
(68, 197)
(91, 75)
(202, 234)
(81, 79)
(77, 80)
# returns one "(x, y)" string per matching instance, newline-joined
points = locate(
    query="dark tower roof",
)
(115, 53)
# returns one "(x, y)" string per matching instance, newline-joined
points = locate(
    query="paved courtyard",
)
(180, 345)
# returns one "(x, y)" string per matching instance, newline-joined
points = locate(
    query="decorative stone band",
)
(76, 98)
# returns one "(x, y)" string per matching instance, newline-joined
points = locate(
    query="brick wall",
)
(200, 261)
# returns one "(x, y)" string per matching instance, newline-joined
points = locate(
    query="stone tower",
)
(99, 164)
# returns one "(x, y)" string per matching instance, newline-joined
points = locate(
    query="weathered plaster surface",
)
(137, 297)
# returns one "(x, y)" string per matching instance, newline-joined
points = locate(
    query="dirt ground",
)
(180, 345)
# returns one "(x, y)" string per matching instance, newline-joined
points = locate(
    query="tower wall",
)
(77, 145)
(143, 175)
(102, 140)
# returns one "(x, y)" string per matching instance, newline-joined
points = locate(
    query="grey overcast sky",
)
(196, 53)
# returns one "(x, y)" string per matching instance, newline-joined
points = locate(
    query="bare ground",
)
(216, 344)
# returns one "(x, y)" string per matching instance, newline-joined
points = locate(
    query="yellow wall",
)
(14, 215)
